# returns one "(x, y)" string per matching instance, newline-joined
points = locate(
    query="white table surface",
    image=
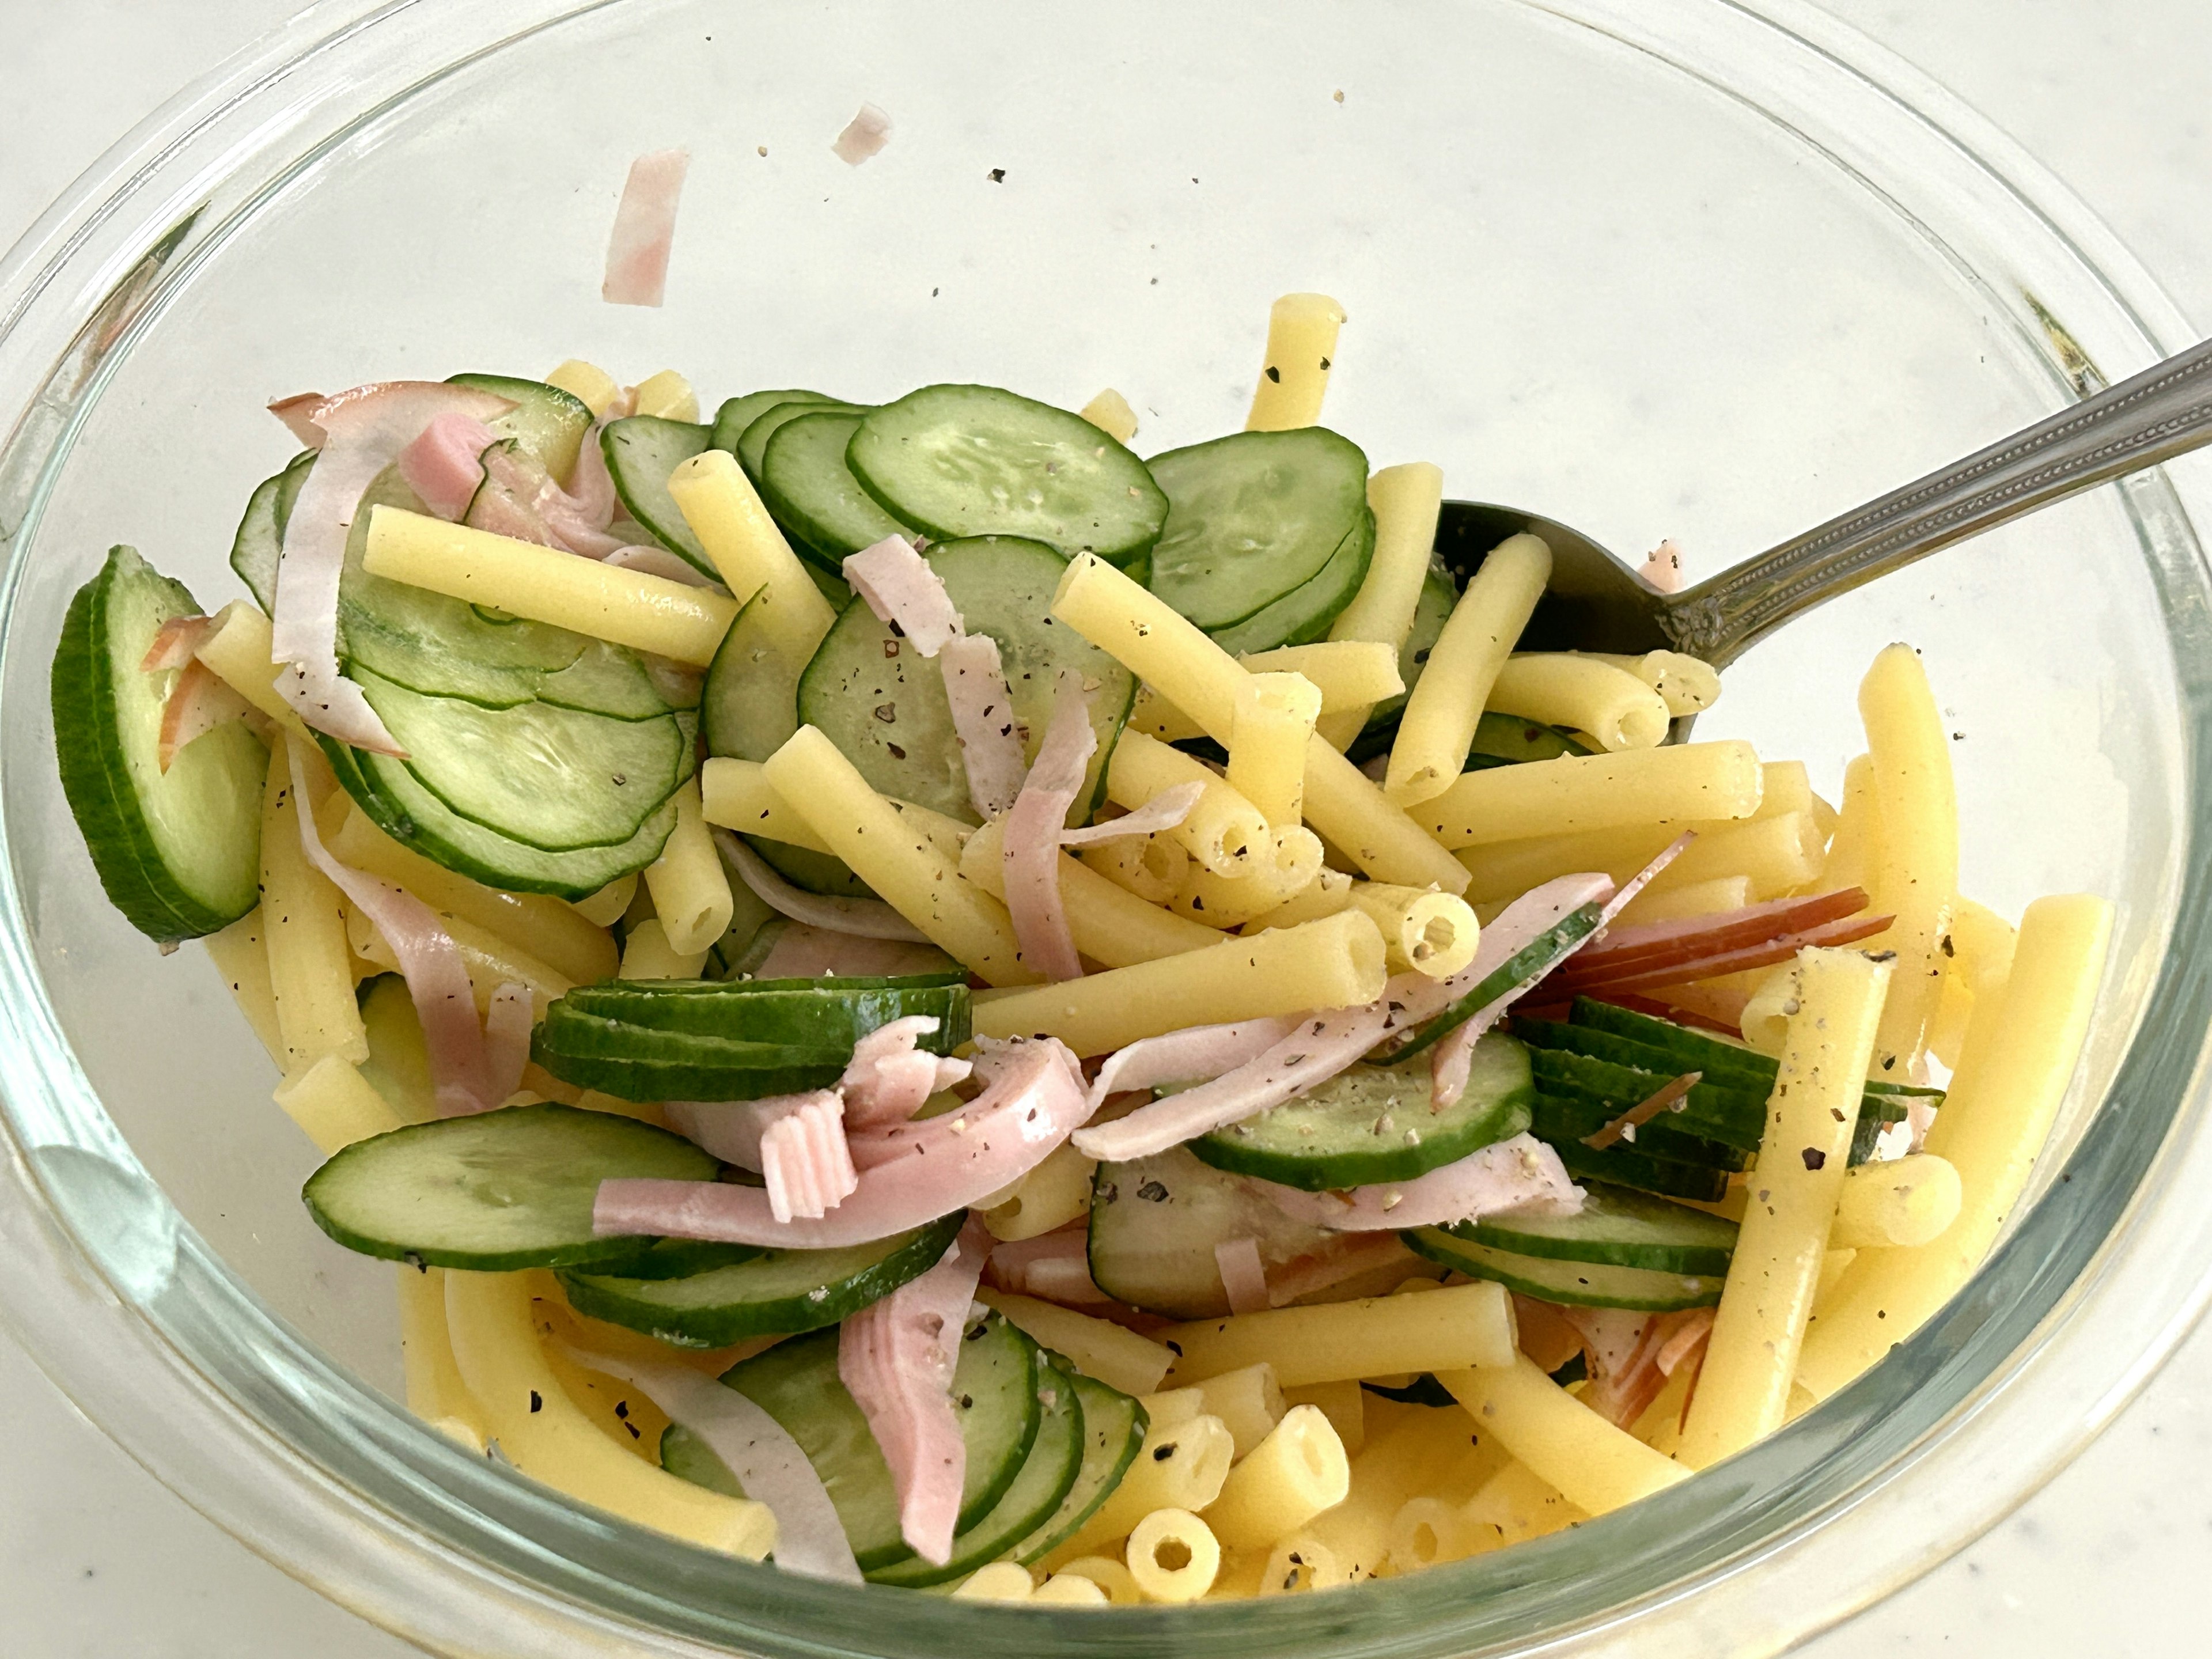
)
(97, 1561)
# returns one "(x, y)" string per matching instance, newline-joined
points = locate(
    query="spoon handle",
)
(2164, 411)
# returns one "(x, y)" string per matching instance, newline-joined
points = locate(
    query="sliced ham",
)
(897, 1358)
(890, 1076)
(1192, 1054)
(757, 1448)
(297, 412)
(868, 918)
(1161, 812)
(437, 979)
(1523, 1174)
(864, 135)
(734, 1129)
(1347, 1257)
(1244, 1275)
(1034, 1099)
(174, 643)
(1031, 856)
(365, 429)
(645, 229)
(900, 587)
(1066, 1280)
(1689, 938)
(442, 464)
(1664, 1098)
(1053, 1267)
(1630, 1356)
(1636, 884)
(1637, 977)
(1663, 567)
(806, 1163)
(991, 743)
(804, 952)
(508, 1025)
(198, 703)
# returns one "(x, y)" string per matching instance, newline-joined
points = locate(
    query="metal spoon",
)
(1596, 603)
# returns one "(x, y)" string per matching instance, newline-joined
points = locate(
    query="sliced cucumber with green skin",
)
(1580, 1283)
(496, 1191)
(682, 1258)
(642, 452)
(977, 460)
(259, 542)
(549, 423)
(768, 1294)
(806, 1013)
(1617, 1227)
(1624, 1037)
(1046, 1475)
(1570, 1116)
(1554, 944)
(796, 1383)
(606, 679)
(1113, 1427)
(883, 704)
(1431, 611)
(813, 494)
(178, 852)
(1509, 740)
(751, 704)
(1154, 1222)
(1304, 614)
(752, 443)
(1375, 1123)
(1253, 516)
(395, 800)
(1709, 1111)
(737, 413)
(633, 1062)
(1622, 1165)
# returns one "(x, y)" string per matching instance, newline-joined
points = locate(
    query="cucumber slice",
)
(796, 1383)
(1304, 613)
(1621, 1165)
(1375, 1123)
(1538, 957)
(633, 1062)
(1431, 611)
(975, 460)
(178, 852)
(546, 777)
(493, 1192)
(1709, 1111)
(736, 414)
(1508, 740)
(884, 707)
(1113, 1428)
(1615, 1227)
(1624, 1037)
(1582, 1284)
(399, 1063)
(750, 703)
(802, 1013)
(1046, 1475)
(1154, 1222)
(813, 494)
(606, 679)
(770, 1293)
(752, 443)
(546, 422)
(641, 450)
(1567, 1115)
(260, 539)
(396, 801)
(1255, 516)
(683, 1258)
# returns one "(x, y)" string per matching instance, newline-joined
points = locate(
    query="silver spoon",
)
(1596, 603)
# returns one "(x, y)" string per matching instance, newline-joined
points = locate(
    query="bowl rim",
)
(339, 1486)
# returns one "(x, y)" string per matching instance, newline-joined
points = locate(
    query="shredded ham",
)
(864, 135)
(198, 703)
(1344, 1258)
(1663, 567)
(442, 465)
(1602, 981)
(1665, 1098)
(1642, 879)
(1162, 811)
(645, 229)
(1522, 1175)
(1031, 859)
(437, 979)
(897, 1358)
(806, 1163)
(1542, 1331)
(366, 429)
(804, 952)
(297, 412)
(900, 587)
(1195, 1053)
(910, 1173)
(1244, 1275)
(174, 643)
(1690, 939)
(1630, 1356)
(991, 746)
(869, 918)
(890, 1076)
(1053, 1267)
(733, 1130)
(757, 1448)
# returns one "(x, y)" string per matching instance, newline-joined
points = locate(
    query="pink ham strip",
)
(1031, 858)
(174, 643)
(366, 429)
(297, 412)
(804, 952)
(1610, 1336)
(1347, 1258)
(864, 135)
(1054, 1266)
(1066, 1280)
(806, 1163)
(1659, 943)
(1635, 976)
(769, 1463)
(897, 1358)
(431, 962)
(1162, 811)
(991, 746)
(442, 465)
(1034, 1100)
(1194, 1053)
(898, 585)
(889, 1076)
(1522, 1174)
(733, 1130)
(197, 704)
(1243, 1276)
(645, 229)
(1642, 879)
(1688, 1338)
(1663, 567)
(869, 918)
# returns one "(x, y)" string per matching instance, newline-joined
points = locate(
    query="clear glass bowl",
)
(1693, 269)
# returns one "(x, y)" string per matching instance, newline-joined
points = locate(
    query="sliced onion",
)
(868, 918)
(198, 703)
(297, 412)
(1521, 1175)
(804, 952)
(645, 229)
(1636, 976)
(1193, 1054)
(654, 562)
(1031, 856)
(1161, 812)
(1244, 1275)
(900, 587)
(991, 744)
(507, 1024)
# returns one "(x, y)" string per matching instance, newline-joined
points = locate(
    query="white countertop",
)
(98, 1561)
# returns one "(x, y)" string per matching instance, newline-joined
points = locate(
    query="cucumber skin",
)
(816, 1015)
(1624, 1167)
(1509, 1115)
(1523, 965)
(598, 1296)
(1303, 615)
(1571, 1114)
(116, 833)
(1696, 1261)
(1067, 1521)
(1696, 1292)
(784, 1071)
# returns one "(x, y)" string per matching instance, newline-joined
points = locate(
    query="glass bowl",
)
(1700, 269)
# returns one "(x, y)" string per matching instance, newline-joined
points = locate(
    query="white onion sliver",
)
(1244, 1275)
(1521, 1175)
(1162, 811)
(867, 918)
(1031, 856)
(1192, 1054)
(507, 1024)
